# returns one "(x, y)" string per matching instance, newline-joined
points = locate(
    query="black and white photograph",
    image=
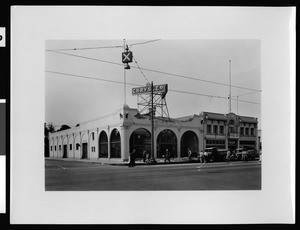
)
(199, 98)
(152, 115)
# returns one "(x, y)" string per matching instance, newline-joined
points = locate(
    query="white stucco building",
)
(113, 137)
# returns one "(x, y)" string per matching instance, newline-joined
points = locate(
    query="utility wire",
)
(140, 69)
(103, 47)
(246, 94)
(119, 82)
(155, 71)
(141, 43)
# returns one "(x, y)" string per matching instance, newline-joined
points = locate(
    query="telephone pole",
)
(153, 161)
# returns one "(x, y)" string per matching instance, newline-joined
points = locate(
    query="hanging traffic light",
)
(127, 57)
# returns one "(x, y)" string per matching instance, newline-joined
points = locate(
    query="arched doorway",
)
(140, 140)
(115, 144)
(166, 140)
(103, 145)
(189, 140)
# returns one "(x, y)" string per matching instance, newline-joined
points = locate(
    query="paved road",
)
(82, 176)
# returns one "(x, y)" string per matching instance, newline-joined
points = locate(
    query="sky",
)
(202, 64)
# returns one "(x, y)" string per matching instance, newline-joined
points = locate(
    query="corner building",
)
(111, 138)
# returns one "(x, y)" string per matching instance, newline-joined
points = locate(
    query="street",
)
(85, 176)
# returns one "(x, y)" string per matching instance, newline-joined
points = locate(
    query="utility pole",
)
(124, 79)
(153, 161)
(229, 86)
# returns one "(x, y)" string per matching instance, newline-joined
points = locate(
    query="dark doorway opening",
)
(84, 150)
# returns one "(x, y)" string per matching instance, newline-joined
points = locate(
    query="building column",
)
(88, 145)
(74, 146)
(178, 148)
(226, 136)
(80, 150)
(108, 143)
(124, 143)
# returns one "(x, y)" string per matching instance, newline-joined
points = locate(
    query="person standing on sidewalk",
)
(144, 155)
(190, 154)
(132, 159)
(228, 156)
(201, 157)
(167, 157)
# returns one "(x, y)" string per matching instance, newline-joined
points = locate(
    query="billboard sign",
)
(147, 89)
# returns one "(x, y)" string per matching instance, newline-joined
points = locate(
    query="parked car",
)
(252, 154)
(221, 155)
(212, 154)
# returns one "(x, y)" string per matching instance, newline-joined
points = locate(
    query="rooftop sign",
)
(147, 89)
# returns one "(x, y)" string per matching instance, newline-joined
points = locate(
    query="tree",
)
(64, 127)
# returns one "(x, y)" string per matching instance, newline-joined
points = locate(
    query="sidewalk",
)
(160, 161)
(122, 163)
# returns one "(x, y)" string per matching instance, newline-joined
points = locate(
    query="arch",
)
(166, 139)
(189, 140)
(103, 145)
(140, 140)
(115, 144)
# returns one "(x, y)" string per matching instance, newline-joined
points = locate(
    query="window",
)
(77, 146)
(242, 130)
(247, 131)
(51, 148)
(208, 128)
(55, 147)
(70, 146)
(221, 129)
(59, 147)
(215, 129)
(252, 131)
(92, 136)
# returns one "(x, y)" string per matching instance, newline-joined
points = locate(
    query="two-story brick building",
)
(229, 131)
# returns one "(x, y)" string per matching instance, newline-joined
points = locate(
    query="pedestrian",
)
(201, 157)
(259, 156)
(205, 156)
(190, 154)
(132, 159)
(228, 154)
(144, 155)
(167, 156)
(246, 156)
(148, 160)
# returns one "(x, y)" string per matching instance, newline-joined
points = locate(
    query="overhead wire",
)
(140, 69)
(102, 47)
(132, 84)
(155, 71)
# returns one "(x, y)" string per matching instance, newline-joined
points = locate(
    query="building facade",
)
(113, 137)
(229, 131)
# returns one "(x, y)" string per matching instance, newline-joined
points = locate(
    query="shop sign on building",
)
(234, 135)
